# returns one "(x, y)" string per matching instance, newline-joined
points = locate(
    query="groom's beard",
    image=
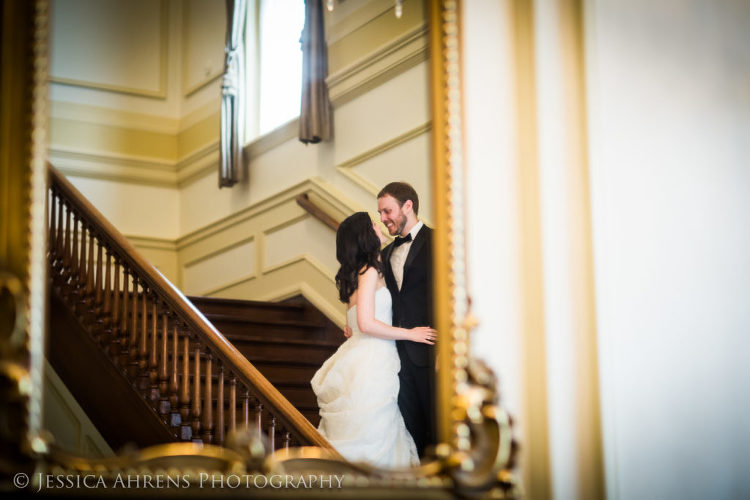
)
(399, 226)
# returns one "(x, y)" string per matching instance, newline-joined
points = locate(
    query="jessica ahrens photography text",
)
(43, 481)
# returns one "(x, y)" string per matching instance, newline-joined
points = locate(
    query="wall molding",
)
(113, 167)
(394, 58)
(313, 296)
(198, 164)
(204, 83)
(199, 114)
(136, 169)
(119, 118)
(346, 168)
(300, 273)
(305, 257)
(219, 251)
(229, 284)
(160, 92)
(272, 139)
(112, 117)
(344, 22)
(152, 243)
(289, 222)
(336, 199)
(187, 88)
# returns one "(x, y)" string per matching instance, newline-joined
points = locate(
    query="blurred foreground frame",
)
(476, 454)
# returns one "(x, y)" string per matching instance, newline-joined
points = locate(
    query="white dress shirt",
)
(398, 256)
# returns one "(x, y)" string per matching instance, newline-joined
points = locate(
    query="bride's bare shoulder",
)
(368, 271)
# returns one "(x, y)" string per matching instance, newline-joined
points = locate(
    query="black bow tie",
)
(400, 241)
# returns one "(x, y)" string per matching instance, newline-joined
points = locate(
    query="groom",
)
(408, 275)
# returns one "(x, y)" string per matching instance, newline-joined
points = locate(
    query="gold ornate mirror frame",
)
(475, 454)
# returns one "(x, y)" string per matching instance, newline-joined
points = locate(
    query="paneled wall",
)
(135, 124)
(66, 420)
(134, 114)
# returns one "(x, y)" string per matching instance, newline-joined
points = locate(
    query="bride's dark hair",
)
(357, 248)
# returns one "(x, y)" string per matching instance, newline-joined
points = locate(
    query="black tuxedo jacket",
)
(412, 305)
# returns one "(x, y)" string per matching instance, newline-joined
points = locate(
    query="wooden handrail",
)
(305, 202)
(178, 304)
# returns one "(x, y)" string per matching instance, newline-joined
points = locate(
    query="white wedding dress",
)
(357, 390)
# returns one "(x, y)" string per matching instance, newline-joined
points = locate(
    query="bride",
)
(357, 387)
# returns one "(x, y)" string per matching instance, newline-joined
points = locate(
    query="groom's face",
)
(391, 214)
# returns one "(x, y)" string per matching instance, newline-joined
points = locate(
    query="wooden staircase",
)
(145, 364)
(286, 341)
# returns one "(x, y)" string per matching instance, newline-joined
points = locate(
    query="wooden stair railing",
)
(286, 341)
(199, 384)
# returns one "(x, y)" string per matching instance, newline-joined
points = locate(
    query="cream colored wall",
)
(149, 163)
(381, 134)
(72, 430)
(606, 148)
(135, 109)
(670, 190)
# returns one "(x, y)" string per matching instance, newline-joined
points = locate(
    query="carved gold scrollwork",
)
(13, 302)
(14, 374)
(484, 447)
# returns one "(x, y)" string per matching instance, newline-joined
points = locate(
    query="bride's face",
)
(378, 232)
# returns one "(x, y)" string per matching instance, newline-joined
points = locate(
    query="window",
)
(273, 73)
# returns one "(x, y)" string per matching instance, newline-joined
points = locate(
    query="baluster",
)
(144, 380)
(175, 419)
(51, 244)
(197, 395)
(246, 409)
(233, 404)
(114, 326)
(186, 430)
(163, 377)
(272, 434)
(106, 295)
(220, 406)
(259, 417)
(89, 273)
(287, 440)
(123, 347)
(125, 305)
(74, 253)
(133, 340)
(52, 223)
(60, 234)
(153, 362)
(208, 408)
(67, 260)
(82, 261)
(94, 284)
(79, 279)
(98, 295)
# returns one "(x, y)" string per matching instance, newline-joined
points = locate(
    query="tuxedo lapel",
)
(421, 240)
(390, 279)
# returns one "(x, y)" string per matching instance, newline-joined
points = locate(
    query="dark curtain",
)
(232, 115)
(315, 120)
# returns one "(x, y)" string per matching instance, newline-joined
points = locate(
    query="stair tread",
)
(230, 318)
(248, 303)
(246, 339)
